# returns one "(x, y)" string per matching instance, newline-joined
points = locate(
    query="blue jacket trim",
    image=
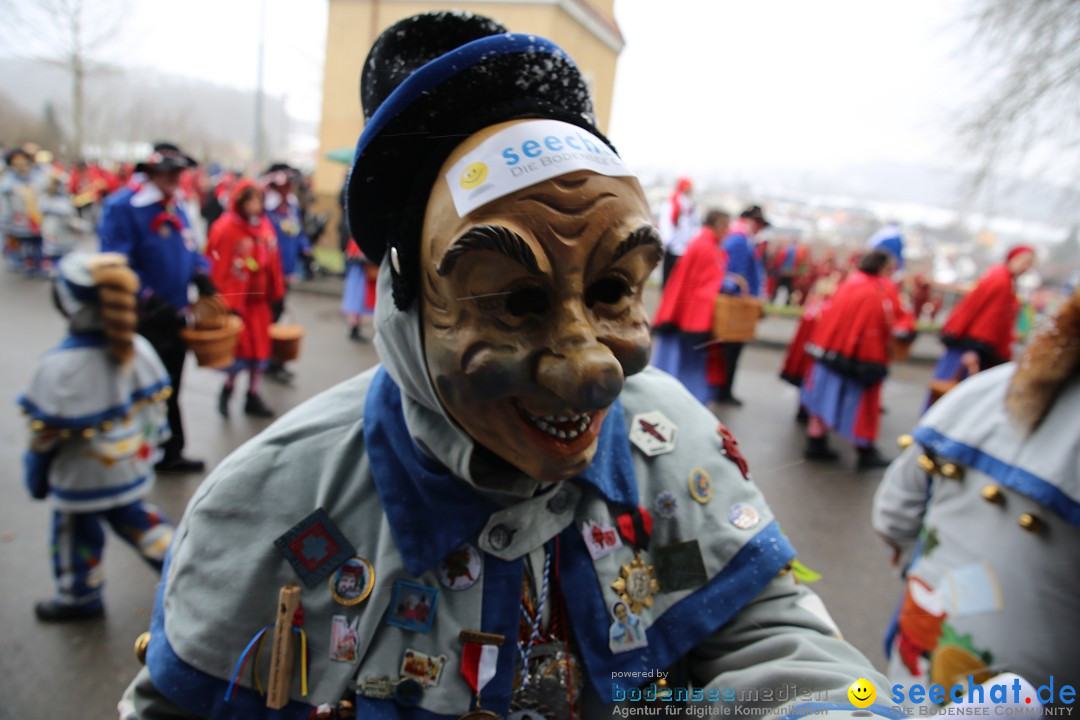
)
(36, 472)
(83, 421)
(1011, 476)
(196, 691)
(76, 495)
(429, 510)
(683, 625)
(807, 709)
(443, 68)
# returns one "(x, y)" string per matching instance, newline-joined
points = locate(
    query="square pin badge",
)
(412, 606)
(315, 548)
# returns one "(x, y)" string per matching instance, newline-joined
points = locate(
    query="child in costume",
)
(245, 268)
(96, 407)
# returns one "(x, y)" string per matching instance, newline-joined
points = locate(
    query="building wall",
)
(353, 25)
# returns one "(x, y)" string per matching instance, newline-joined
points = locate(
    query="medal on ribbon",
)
(479, 660)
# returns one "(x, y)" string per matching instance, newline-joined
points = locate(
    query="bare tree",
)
(1030, 52)
(71, 34)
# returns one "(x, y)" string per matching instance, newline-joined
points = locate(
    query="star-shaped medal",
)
(636, 584)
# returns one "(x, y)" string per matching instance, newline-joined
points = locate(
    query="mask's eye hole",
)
(527, 301)
(609, 290)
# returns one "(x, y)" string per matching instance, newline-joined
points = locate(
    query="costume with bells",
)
(388, 459)
(96, 406)
(983, 508)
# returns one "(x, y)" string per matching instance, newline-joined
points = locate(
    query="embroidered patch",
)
(731, 450)
(600, 539)
(679, 566)
(653, 433)
(461, 569)
(352, 582)
(700, 485)
(344, 640)
(315, 547)
(412, 607)
(424, 669)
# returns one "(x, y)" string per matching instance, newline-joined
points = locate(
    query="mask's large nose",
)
(582, 372)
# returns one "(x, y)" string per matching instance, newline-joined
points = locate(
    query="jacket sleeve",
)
(142, 701)
(901, 500)
(784, 637)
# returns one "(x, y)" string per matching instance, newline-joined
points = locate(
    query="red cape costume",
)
(246, 269)
(690, 293)
(851, 348)
(985, 319)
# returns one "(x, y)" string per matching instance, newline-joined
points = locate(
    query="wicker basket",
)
(285, 342)
(900, 350)
(214, 347)
(735, 319)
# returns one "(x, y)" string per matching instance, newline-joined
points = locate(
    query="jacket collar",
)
(430, 511)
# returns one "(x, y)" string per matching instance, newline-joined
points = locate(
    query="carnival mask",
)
(532, 311)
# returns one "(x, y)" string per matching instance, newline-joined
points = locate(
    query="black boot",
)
(52, 611)
(255, 406)
(354, 334)
(223, 401)
(818, 449)
(871, 459)
(802, 416)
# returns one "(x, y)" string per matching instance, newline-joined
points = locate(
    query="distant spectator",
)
(678, 224)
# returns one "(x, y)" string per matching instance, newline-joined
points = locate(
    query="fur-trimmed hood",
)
(1050, 362)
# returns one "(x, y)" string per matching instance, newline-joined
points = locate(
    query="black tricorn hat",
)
(754, 212)
(166, 156)
(429, 82)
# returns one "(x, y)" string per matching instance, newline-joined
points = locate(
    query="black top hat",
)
(754, 212)
(166, 156)
(429, 82)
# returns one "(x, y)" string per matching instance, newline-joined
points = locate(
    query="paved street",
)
(80, 670)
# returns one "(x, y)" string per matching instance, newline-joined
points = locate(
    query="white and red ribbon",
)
(478, 663)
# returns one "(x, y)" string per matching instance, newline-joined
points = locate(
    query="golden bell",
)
(905, 441)
(1031, 523)
(952, 471)
(927, 464)
(140, 647)
(106, 426)
(88, 433)
(993, 494)
(37, 426)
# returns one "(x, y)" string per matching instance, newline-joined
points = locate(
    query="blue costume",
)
(293, 242)
(157, 239)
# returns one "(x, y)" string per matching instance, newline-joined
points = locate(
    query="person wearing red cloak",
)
(797, 361)
(683, 323)
(247, 271)
(850, 346)
(984, 321)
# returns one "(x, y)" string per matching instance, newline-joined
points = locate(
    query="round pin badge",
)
(408, 692)
(461, 569)
(665, 504)
(700, 486)
(743, 516)
(352, 582)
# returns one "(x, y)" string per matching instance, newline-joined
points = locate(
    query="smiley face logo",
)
(862, 693)
(473, 175)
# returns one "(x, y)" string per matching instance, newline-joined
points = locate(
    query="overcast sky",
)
(700, 85)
